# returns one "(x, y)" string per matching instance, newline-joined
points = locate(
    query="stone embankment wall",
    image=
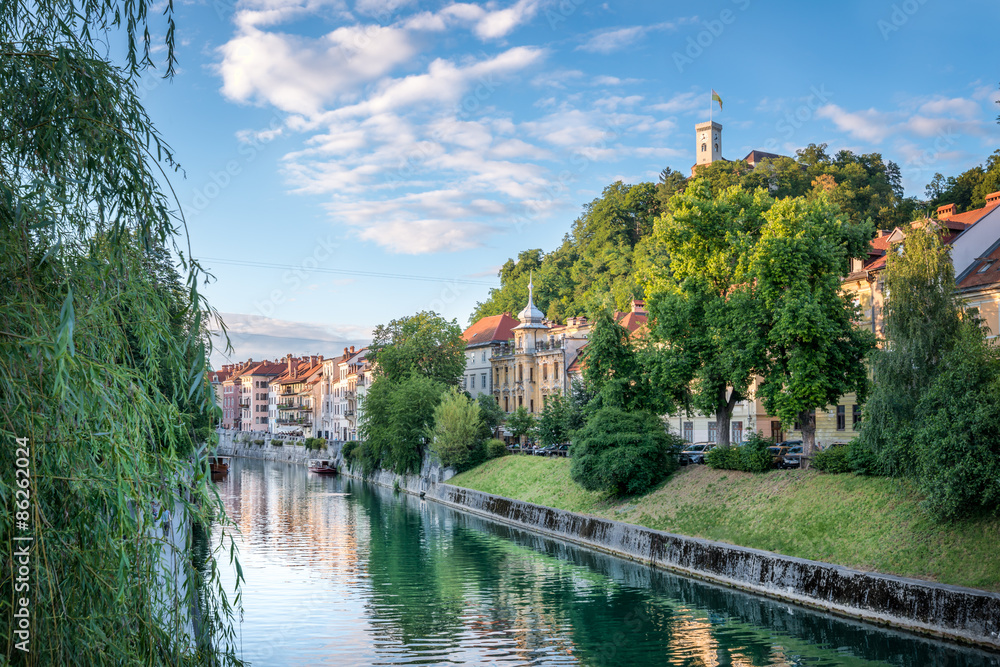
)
(962, 614)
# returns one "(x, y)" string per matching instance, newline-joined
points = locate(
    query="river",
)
(342, 573)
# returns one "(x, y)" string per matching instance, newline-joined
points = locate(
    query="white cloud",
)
(615, 39)
(957, 106)
(682, 103)
(868, 125)
(259, 338)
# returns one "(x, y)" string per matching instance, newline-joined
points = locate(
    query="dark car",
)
(695, 453)
(793, 457)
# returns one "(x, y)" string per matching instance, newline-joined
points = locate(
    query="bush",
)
(276, 443)
(259, 443)
(349, 448)
(457, 426)
(623, 453)
(751, 456)
(833, 459)
(495, 448)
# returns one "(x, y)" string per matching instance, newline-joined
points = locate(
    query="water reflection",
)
(376, 578)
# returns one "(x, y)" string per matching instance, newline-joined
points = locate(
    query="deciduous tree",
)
(425, 343)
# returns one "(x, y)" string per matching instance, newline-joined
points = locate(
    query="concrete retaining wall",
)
(962, 614)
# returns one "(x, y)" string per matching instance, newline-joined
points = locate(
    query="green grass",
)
(872, 524)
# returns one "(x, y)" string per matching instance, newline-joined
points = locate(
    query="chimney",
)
(352, 349)
(345, 351)
(639, 306)
(993, 198)
(288, 361)
(312, 359)
(946, 211)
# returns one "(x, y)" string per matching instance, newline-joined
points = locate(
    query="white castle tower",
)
(708, 143)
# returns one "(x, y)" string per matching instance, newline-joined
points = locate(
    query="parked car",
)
(793, 457)
(561, 450)
(778, 453)
(695, 453)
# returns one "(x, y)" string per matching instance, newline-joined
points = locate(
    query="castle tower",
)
(708, 143)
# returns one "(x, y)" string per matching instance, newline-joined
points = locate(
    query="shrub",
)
(349, 448)
(751, 456)
(495, 448)
(259, 443)
(456, 431)
(275, 442)
(833, 459)
(623, 453)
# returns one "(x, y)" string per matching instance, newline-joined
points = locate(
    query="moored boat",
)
(322, 467)
(218, 466)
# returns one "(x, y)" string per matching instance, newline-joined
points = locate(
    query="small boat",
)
(218, 466)
(322, 467)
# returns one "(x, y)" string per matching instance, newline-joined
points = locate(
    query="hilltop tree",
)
(705, 326)
(968, 190)
(424, 343)
(812, 352)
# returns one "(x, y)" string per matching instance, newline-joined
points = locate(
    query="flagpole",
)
(710, 106)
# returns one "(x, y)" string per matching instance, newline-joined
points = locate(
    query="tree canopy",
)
(424, 343)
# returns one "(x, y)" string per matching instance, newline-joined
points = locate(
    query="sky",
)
(350, 162)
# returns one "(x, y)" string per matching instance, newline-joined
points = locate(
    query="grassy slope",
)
(866, 523)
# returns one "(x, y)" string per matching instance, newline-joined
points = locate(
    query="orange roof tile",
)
(986, 271)
(489, 329)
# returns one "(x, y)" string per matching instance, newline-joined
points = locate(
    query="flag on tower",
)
(716, 98)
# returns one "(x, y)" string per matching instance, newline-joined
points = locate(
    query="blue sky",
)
(326, 141)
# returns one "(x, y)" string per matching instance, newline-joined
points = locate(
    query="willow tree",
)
(102, 356)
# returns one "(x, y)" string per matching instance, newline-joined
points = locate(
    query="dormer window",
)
(986, 266)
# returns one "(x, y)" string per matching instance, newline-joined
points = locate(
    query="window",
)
(776, 433)
(531, 374)
(855, 416)
(555, 371)
(713, 432)
(506, 406)
(520, 401)
(841, 417)
(482, 379)
(484, 355)
(986, 265)
(704, 148)
(737, 432)
(545, 371)
(689, 431)
(531, 405)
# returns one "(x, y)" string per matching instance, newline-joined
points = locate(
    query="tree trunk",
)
(724, 415)
(807, 419)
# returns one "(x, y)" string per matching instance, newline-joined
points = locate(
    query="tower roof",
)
(531, 317)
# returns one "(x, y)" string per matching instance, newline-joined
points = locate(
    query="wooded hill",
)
(605, 258)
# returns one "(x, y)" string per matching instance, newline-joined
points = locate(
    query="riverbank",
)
(868, 524)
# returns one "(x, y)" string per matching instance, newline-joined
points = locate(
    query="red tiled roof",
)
(978, 277)
(969, 218)
(489, 329)
(633, 320)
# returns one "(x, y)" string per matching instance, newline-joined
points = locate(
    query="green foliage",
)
(102, 352)
(833, 459)
(495, 448)
(751, 456)
(315, 443)
(923, 323)
(553, 422)
(706, 325)
(595, 265)
(457, 429)
(276, 442)
(814, 352)
(396, 421)
(618, 371)
(424, 343)
(520, 422)
(348, 449)
(492, 416)
(933, 412)
(259, 443)
(623, 453)
(968, 190)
